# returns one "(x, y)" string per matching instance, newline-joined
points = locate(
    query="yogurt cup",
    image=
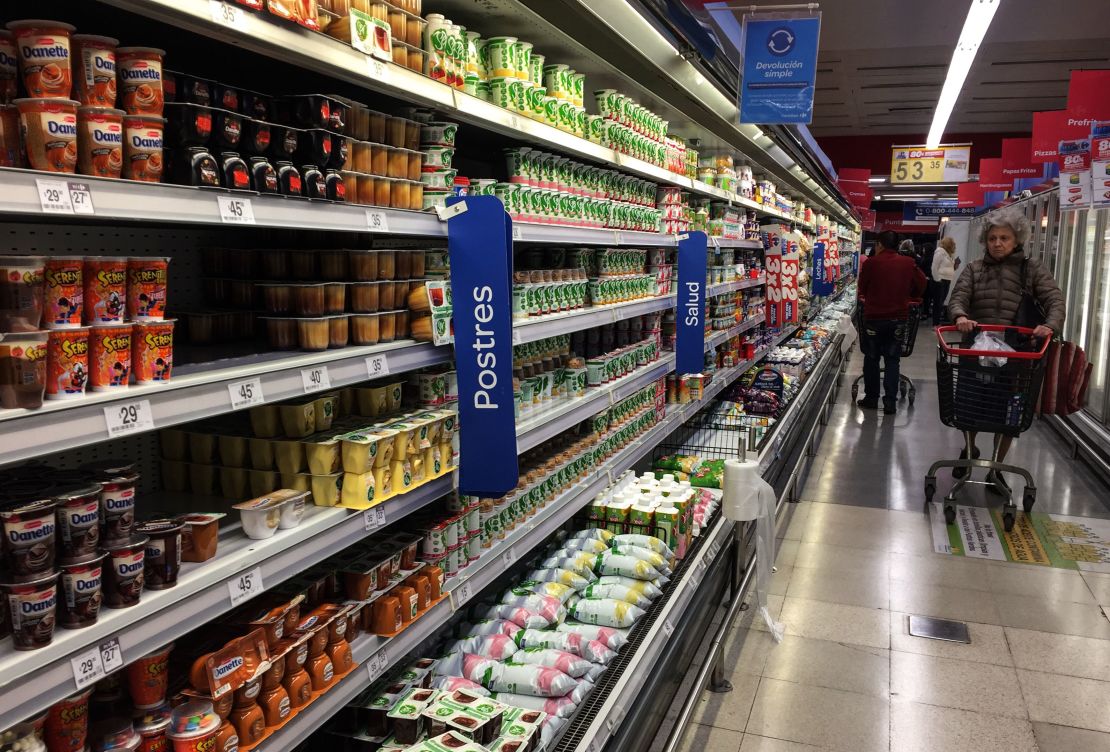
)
(49, 128)
(162, 558)
(78, 521)
(29, 532)
(117, 505)
(32, 606)
(123, 572)
(82, 590)
(44, 56)
(105, 282)
(67, 723)
(152, 351)
(94, 69)
(109, 356)
(146, 288)
(262, 516)
(64, 295)
(142, 148)
(148, 679)
(140, 79)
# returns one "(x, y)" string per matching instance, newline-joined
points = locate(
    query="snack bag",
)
(625, 566)
(646, 588)
(606, 612)
(617, 593)
(614, 639)
(568, 663)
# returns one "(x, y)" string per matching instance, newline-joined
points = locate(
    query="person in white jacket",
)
(944, 268)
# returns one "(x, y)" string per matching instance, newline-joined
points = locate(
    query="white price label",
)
(111, 655)
(668, 628)
(374, 518)
(509, 557)
(516, 232)
(461, 594)
(614, 315)
(518, 337)
(80, 196)
(245, 586)
(377, 365)
(54, 196)
(377, 664)
(618, 238)
(683, 236)
(235, 210)
(225, 14)
(377, 221)
(129, 417)
(378, 69)
(96, 663)
(315, 379)
(246, 393)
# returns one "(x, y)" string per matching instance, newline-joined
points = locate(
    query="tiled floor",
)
(856, 560)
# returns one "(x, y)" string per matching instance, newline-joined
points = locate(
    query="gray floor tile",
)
(855, 562)
(1066, 700)
(753, 743)
(944, 602)
(1060, 653)
(835, 665)
(915, 727)
(988, 642)
(1099, 585)
(1060, 617)
(728, 710)
(939, 569)
(837, 623)
(700, 738)
(745, 651)
(1040, 582)
(1053, 738)
(819, 585)
(823, 717)
(951, 683)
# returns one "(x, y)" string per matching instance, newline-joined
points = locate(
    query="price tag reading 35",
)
(377, 221)
(245, 586)
(374, 518)
(129, 417)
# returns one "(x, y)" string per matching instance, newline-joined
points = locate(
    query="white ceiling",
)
(883, 62)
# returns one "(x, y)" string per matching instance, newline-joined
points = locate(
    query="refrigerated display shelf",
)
(533, 232)
(552, 324)
(723, 335)
(717, 242)
(317, 52)
(722, 288)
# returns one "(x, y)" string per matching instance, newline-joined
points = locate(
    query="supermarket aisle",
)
(857, 558)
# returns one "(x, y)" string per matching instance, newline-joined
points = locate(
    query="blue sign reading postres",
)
(780, 67)
(690, 330)
(479, 239)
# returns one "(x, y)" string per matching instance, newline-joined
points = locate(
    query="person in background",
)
(888, 283)
(925, 263)
(989, 291)
(943, 271)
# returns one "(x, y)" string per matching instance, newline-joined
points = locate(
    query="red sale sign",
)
(1089, 96)
(1050, 128)
(991, 177)
(858, 194)
(969, 195)
(1017, 159)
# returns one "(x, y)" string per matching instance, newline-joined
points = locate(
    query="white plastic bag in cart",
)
(617, 593)
(626, 566)
(528, 679)
(645, 588)
(749, 498)
(606, 612)
(991, 342)
(848, 329)
(649, 542)
(562, 576)
(614, 639)
(568, 663)
(555, 707)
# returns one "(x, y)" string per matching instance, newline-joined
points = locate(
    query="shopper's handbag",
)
(1030, 311)
(1067, 375)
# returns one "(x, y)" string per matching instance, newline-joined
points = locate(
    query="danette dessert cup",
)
(142, 148)
(82, 581)
(94, 69)
(44, 57)
(78, 518)
(123, 572)
(193, 727)
(163, 552)
(140, 78)
(100, 141)
(32, 605)
(49, 128)
(29, 533)
(148, 679)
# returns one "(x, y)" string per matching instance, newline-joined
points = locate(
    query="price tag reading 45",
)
(235, 211)
(245, 586)
(129, 417)
(315, 379)
(246, 393)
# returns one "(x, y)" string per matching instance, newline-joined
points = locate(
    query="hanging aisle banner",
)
(1100, 164)
(822, 280)
(780, 67)
(1075, 174)
(690, 332)
(480, 246)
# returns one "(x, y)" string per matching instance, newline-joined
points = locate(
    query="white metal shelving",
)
(722, 288)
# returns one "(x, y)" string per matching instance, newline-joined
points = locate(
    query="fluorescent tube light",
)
(876, 180)
(975, 28)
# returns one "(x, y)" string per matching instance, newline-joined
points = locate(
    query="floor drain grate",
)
(939, 629)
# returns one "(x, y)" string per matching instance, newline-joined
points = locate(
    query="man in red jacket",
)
(888, 283)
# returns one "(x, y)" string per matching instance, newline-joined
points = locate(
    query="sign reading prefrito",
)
(947, 163)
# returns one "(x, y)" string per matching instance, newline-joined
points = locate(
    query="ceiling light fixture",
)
(975, 28)
(876, 180)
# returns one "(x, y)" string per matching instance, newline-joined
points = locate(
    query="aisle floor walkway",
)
(857, 558)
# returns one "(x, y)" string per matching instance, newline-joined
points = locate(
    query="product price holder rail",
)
(66, 424)
(376, 655)
(550, 325)
(34, 680)
(723, 335)
(723, 288)
(322, 54)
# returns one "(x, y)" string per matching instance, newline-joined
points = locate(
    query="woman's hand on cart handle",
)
(966, 325)
(1043, 332)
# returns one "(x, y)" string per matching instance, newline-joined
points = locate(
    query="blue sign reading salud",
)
(780, 67)
(690, 315)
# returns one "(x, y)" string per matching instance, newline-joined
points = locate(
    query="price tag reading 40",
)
(315, 379)
(129, 417)
(245, 586)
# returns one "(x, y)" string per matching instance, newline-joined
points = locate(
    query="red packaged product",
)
(146, 288)
(67, 723)
(152, 351)
(139, 70)
(64, 292)
(105, 280)
(67, 363)
(109, 356)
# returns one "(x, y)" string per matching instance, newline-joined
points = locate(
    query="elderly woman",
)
(990, 291)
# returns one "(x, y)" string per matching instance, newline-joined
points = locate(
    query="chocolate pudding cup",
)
(82, 581)
(32, 605)
(123, 572)
(29, 528)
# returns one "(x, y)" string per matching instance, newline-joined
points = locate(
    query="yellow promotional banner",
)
(947, 163)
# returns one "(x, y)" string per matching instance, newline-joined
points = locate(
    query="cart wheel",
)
(930, 489)
(949, 514)
(855, 390)
(913, 396)
(902, 391)
(1008, 520)
(1028, 500)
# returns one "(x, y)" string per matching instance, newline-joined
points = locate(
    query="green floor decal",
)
(1048, 540)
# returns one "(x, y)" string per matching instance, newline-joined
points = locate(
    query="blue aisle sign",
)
(479, 241)
(690, 331)
(921, 211)
(780, 68)
(821, 284)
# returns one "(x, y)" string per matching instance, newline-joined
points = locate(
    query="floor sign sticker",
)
(1047, 540)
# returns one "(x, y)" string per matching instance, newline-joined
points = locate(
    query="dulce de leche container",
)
(67, 723)
(44, 57)
(82, 582)
(152, 351)
(296, 680)
(193, 727)
(246, 715)
(67, 363)
(123, 572)
(109, 356)
(32, 606)
(49, 128)
(94, 69)
(146, 288)
(100, 141)
(148, 679)
(105, 280)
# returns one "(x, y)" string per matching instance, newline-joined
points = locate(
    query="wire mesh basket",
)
(908, 333)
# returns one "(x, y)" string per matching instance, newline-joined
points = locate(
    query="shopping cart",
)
(906, 387)
(999, 399)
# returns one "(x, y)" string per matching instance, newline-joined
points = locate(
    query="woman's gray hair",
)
(906, 245)
(1010, 217)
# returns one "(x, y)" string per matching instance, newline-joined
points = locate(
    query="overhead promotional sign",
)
(991, 177)
(480, 247)
(869, 219)
(1017, 159)
(1050, 128)
(947, 163)
(780, 67)
(1100, 164)
(923, 211)
(1087, 97)
(858, 194)
(969, 195)
(690, 315)
(1075, 174)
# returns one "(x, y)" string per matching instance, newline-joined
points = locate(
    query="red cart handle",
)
(950, 349)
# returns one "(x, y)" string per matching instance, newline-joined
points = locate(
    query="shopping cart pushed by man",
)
(906, 388)
(990, 391)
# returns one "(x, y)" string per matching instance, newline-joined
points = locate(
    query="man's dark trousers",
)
(882, 339)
